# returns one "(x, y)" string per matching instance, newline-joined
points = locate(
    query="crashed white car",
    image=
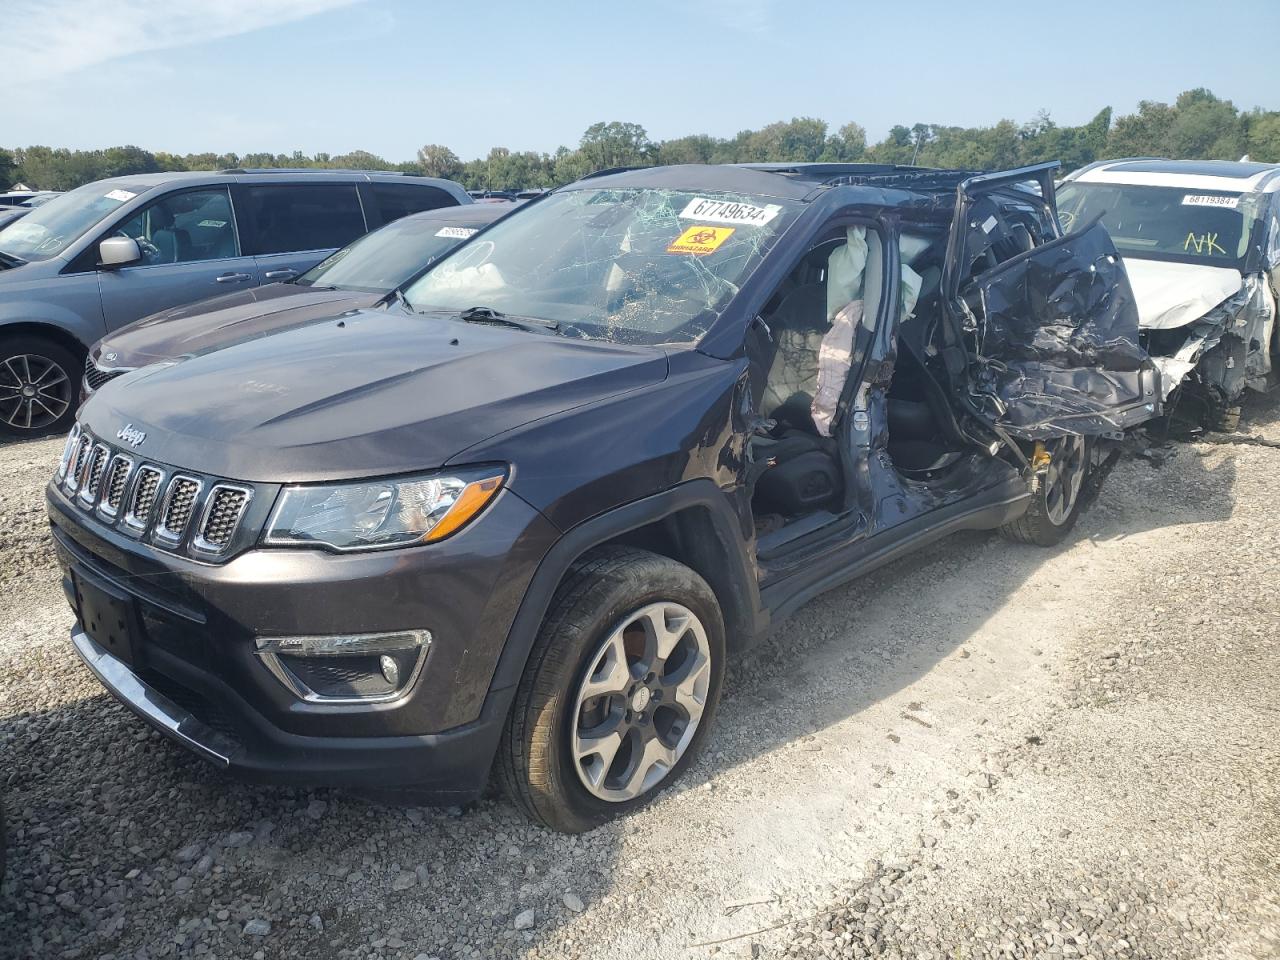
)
(1200, 241)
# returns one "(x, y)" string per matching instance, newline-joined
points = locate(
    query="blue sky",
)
(390, 75)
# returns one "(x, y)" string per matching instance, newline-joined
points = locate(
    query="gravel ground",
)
(985, 750)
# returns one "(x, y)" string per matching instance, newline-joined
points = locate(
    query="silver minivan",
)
(113, 251)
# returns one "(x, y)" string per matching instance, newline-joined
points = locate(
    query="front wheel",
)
(619, 692)
(39, 384)
(1058, 496)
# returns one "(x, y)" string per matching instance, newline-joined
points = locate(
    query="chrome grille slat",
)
(222, 514)
(175, 513)
(143, 501)
(92, 481)
(114, 484)
(79, 461)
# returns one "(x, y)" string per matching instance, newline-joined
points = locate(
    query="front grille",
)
(179, 504)
(221, 517)
(144, 497)
(95, 376)
(190, 513)
(117, 480)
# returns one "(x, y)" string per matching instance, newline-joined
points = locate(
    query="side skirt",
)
(990, 509)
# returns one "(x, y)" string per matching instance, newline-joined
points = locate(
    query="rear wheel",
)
(1058, 496)
(619, 692)
(38, 386)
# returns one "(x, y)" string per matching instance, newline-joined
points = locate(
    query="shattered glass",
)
(1060, 327)
(640, 265)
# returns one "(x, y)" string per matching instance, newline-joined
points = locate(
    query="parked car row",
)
(417, 515)
(111, 252)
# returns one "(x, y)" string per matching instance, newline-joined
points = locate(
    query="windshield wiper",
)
(397, 296)
(9, 260)
(490, 315)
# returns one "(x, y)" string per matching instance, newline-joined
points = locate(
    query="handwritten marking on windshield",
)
(1206, 243)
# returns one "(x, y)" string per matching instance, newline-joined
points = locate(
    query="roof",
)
(199, 177)
(1224, 175)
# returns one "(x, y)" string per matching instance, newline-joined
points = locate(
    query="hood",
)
(221, 321)
(376, 392)
(1173, 295)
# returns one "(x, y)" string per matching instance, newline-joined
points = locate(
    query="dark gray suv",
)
(111, 252)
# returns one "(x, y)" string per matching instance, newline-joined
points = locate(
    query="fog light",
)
(346, 668)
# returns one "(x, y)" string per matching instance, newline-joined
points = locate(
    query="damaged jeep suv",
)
(1201, 244)
(518, 518)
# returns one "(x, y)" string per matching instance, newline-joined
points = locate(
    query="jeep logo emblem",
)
(131, 435)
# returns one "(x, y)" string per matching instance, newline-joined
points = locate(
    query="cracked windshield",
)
(641, 266)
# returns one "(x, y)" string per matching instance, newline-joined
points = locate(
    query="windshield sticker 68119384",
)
(1208, 200)
(729, 211)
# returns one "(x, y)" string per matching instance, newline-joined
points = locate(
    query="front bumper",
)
(192, 673)
(451, 766)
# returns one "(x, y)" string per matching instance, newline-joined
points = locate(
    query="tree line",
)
(1198, 125)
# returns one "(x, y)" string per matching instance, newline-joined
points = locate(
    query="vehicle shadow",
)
(151, 845)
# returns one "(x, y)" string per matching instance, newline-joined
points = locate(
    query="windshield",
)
(629, 265)
(1162, 223)
(386, 258)
(52, 227)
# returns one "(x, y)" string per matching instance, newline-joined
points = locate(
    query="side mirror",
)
(118, 252)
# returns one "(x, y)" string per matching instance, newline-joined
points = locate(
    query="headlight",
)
(378, 514)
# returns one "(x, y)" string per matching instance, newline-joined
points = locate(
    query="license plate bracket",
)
(108, 616)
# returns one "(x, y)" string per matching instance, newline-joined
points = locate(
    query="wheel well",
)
(49, 332)
(690, 536)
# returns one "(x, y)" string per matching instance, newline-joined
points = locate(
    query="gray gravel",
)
(986, 750)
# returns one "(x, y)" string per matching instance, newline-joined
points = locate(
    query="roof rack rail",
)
(315, 170)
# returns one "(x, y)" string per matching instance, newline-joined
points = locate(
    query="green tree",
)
(438, 161)
(615, 144)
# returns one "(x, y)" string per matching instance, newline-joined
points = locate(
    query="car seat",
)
(174, 245)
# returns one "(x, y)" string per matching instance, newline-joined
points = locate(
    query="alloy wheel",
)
(34, 391)
(640, 701)
(1064, 478)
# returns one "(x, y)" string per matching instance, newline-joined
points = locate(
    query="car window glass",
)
(631, 265)
(1162, 223)
(396, 200)
(297, 217)
(184, 227)
(386, 258)
(50, 229)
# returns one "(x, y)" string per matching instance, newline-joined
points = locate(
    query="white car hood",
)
(1173, 295)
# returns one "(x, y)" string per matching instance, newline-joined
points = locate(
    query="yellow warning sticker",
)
(700, 240)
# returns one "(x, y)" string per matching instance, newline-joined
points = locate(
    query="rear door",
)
(1049, 322)
(291, 227)
(190, 251)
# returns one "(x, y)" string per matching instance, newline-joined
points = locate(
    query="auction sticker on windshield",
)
(122, 195)
(456, 233)
(700, 240)
(1207, 200)
(729, 211)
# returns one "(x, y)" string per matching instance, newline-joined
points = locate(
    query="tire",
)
(1220, 415)
(600, 635)
(39, 386)
(1058, 496)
